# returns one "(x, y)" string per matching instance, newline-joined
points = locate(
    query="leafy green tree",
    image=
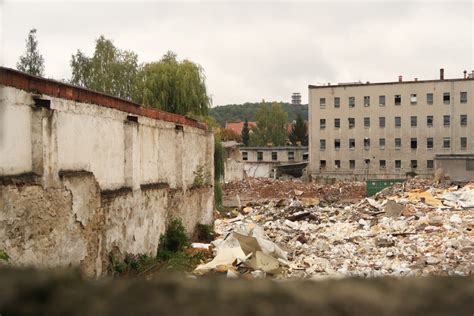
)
(240, 112)
(32, 61)
(172, 85)
(299, 132)
(109, 70)
(245, 134)
(271, 126)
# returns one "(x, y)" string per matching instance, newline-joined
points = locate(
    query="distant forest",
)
(239, 112)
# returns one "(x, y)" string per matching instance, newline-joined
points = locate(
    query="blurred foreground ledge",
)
(34, 292)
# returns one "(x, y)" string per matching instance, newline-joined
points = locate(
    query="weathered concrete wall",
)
(259, 169)
(456, 169)
(234, 170)
(80, 180)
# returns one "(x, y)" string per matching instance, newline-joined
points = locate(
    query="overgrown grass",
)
(174, 254)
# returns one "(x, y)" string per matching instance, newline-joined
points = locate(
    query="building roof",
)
(230, 143)
(358, 84)
(238, 126)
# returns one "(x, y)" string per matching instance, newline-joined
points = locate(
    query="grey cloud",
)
(255, 50)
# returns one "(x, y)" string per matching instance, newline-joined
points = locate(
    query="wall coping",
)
(13, 78)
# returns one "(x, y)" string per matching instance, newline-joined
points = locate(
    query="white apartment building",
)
(388, 130)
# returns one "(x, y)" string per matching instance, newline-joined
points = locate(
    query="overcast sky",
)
(254, 50)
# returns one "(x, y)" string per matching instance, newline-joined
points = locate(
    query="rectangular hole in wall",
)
(132, 118)
(42, 103)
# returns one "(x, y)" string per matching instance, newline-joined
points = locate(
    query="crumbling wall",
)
(79, 181)
(234, 170)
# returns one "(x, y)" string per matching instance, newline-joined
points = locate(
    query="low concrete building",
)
(456, 167)
(260, 162)
(84, 175)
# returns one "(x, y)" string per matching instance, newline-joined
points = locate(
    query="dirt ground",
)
(259, 190)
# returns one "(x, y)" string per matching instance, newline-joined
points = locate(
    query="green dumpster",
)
(374, 186)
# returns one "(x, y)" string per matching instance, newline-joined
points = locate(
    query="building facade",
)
(388, 130)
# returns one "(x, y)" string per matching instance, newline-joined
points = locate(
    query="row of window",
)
(382, 164)
(397, 100)
(290, 156)
(397, 121)
(398, 143)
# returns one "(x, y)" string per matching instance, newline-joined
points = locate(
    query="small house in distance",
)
(272, 162)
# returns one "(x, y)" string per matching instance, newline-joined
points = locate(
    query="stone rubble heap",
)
(415, 228)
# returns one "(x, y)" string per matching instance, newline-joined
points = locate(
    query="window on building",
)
(259, 155)
(398, 121)
(413, 121)
(291, 155)
(446, 98)
(352, 143)
(305, 156)
(430, 164)
(366, 143)
(398, 143)
(352, 102)
(337, 123)
(351, 122)
(398, 164)
(446, 120)
(382, 143)
(337, 144)
(322, 123)
(322, 164)
(413, 99)
(413, 143)
(429, 121)
(463, 97)
(398, 99)
(429, 143)
(245, 155)
(446, 142)
(322, 102)
(337, 102)
(366, 100)
(352, 164)
(337, 164)
(275, 155)
(381, 100)
(463, 142)
(366, 122)
(413, 164)
(382, 121)
(429, 98)
(463, 119)
(322, 144)
(382, 164)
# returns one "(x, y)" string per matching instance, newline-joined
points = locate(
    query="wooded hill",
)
(239, 112)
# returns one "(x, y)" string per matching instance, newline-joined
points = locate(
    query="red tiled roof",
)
(237, 127)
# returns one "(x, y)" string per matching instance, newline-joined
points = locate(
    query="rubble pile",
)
(266, 189)
(414, 228)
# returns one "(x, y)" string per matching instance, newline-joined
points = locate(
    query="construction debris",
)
(413, 228)
(262, 190)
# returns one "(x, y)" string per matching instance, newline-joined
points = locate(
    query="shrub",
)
(205, 233)
(173, 240)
